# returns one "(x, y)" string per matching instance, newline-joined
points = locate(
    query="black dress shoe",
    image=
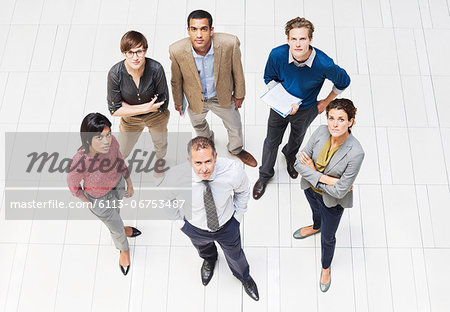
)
(207, 271)
(136, 232)
(259, 188)
(291, 170)
(124, 269)
(251, 289)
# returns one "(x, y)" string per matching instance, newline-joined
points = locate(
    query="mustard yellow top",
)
(324, 158)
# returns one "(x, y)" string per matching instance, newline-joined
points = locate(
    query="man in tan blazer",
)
(207, 71)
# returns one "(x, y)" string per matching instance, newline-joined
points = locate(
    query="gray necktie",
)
(210, 207)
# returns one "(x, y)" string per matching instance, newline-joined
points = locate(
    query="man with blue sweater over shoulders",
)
(302, 70)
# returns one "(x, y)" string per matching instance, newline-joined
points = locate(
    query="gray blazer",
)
(344, 165)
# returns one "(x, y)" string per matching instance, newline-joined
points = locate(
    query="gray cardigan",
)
(345, 165)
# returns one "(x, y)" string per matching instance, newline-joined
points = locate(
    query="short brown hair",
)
(346, 105)
(133, 39)
(299, 22)
(199, 143)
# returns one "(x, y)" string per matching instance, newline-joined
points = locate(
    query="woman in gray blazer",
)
(329, 165)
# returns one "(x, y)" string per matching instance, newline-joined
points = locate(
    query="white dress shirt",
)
(230, 188)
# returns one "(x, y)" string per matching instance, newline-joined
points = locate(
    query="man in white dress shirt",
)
(220, 192)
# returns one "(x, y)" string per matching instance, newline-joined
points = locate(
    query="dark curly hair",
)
(346, 105)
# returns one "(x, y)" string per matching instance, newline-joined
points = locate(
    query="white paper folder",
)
(280, 100)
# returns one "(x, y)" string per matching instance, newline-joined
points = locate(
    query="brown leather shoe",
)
(291, 170)
(258, 189)
(247, 158)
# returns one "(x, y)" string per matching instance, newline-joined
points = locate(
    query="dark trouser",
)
(229, 238)
(276, 126)
(326, 219)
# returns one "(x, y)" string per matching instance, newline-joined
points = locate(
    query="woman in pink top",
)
(100, 165)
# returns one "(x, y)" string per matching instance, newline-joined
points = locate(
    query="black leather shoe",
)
(136, 232)
(259, 188)
(291, 170)
(124, 269)
(251, 289)
(207, 271)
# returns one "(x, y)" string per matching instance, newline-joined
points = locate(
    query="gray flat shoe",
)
(297, 234)
(324, 287)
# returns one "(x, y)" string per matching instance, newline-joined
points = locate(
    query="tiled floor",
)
(393, 247)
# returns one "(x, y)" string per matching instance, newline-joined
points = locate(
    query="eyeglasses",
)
(130, 54)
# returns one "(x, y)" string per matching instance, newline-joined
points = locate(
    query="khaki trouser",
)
(231, 120)
(131, 128)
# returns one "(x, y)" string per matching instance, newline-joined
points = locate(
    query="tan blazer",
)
(228, 73)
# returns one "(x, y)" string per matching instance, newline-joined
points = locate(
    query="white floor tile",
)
(265, 16)
(185, 290)
(79, 49)
(424, 7)
(426, 225)
(400, 160)
(438, 196)
(265, 211)
(361, 51)
(346, 50)
(287, 10)
(416, 112)
(405, 13)
(69, 109)
(372, 13)
(420, 279)
(166, 14)
(361, 97)
(435, 260)
(40, 278)
(389, 111)
(379, 291)
(324, 39)
(110, 282)
(426, 142)
(113, 11)
(48, 231)
(406, 52)
(347, 13)
(96, 96)
(6, 264)
(360, 280)
(259, 44)
(231, 12)
(355, 220)
(386, 13)
(437, 49)
(107, 39)
(369, 172)
(439, 14)
(15, 282)
(402, 216)
(76, 279)
(373, 216)
(57, 12)
(299, 274)
(86, 12)
(27, 12)
(382, 61)
(7, 11)
(42, 86)
(319, 13)
(19, 48)
(383, 156)
(155, 287)
(440, 84)
(42, 55)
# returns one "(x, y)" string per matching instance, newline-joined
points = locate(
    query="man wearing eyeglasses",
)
(207, 71)
(138, 93)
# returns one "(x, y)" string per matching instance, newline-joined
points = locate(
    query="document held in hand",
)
(280, 100)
